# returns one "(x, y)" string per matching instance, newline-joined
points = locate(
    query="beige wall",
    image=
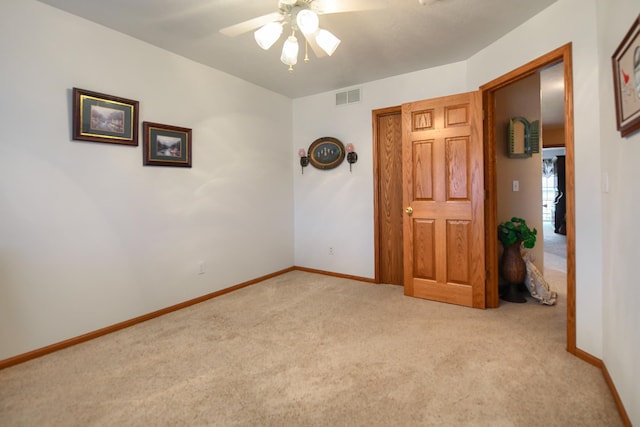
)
(521, 99)
(553, 136)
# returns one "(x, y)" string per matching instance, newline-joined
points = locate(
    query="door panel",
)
(422, 164)
(424, 238)
(388, 142)
(443, 228)
(457, 167)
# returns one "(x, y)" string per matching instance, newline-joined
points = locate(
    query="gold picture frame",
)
(98, 117)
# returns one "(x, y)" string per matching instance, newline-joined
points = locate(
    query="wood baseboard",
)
(21, 358)
(332, 274)
(592, 360)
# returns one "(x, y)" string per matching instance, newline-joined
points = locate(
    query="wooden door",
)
(443, 193)
(387, 139)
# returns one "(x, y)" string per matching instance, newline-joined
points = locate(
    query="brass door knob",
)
(409, 210)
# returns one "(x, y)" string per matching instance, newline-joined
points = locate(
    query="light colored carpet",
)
(554, 243)
(308, 350)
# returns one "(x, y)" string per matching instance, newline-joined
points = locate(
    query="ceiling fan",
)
(302, 16)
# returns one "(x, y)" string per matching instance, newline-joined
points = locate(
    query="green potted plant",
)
(513, 234)
(509, 232)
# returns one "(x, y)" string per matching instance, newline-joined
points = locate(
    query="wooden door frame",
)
(562, 54)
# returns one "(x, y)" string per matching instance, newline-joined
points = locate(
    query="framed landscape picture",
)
(165, 145)
(98, 117)
(626, 80)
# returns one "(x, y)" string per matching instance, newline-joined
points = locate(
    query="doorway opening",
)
(554, 209)
(561, 55)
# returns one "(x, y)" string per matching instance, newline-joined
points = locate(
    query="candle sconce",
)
(352, 156)
(304, 159)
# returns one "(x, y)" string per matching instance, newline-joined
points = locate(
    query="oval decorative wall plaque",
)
(326, 153)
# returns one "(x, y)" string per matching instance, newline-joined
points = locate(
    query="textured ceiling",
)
(552, 96)
(396, 37)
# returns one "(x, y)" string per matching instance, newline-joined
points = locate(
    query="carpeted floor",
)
(554, 243)
(310, 350)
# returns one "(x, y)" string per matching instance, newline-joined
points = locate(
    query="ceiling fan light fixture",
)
(267, 35)
(327, 41)
(290, 51)
(307, 21)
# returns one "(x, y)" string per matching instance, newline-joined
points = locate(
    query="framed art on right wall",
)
(626, 80)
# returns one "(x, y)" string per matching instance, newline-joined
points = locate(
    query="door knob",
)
(409, 210)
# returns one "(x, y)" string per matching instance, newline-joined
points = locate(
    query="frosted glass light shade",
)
(307, 21)
(290, 51)
(327, 41)
(268, 34)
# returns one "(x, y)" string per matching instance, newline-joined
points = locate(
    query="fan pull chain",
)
(306, 50)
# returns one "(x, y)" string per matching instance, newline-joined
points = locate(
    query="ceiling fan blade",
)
(317, 50)
(325, 7)
(251, 24)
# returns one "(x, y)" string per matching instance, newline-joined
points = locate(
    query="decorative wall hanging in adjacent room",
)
(104, 118)
(165, 145)
(523, 137)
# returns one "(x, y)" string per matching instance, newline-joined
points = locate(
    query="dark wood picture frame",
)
(326, 153)
(98, 117)
(626, 80)
(166, 145)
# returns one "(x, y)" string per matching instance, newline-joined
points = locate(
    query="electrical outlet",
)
(202, 267)
(516, 185)
(331, 252)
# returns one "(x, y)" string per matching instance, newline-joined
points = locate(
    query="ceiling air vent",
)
(348, 97)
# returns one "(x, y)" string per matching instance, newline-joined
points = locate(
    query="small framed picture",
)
(104, 118)
(165, 145)
(626, 80)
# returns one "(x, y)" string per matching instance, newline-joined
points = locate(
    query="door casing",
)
(562, 54)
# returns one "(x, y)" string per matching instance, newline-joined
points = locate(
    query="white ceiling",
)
(396, 37)
(552, 95)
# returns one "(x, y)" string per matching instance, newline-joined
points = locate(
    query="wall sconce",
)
(304, 159)
(352, 156)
